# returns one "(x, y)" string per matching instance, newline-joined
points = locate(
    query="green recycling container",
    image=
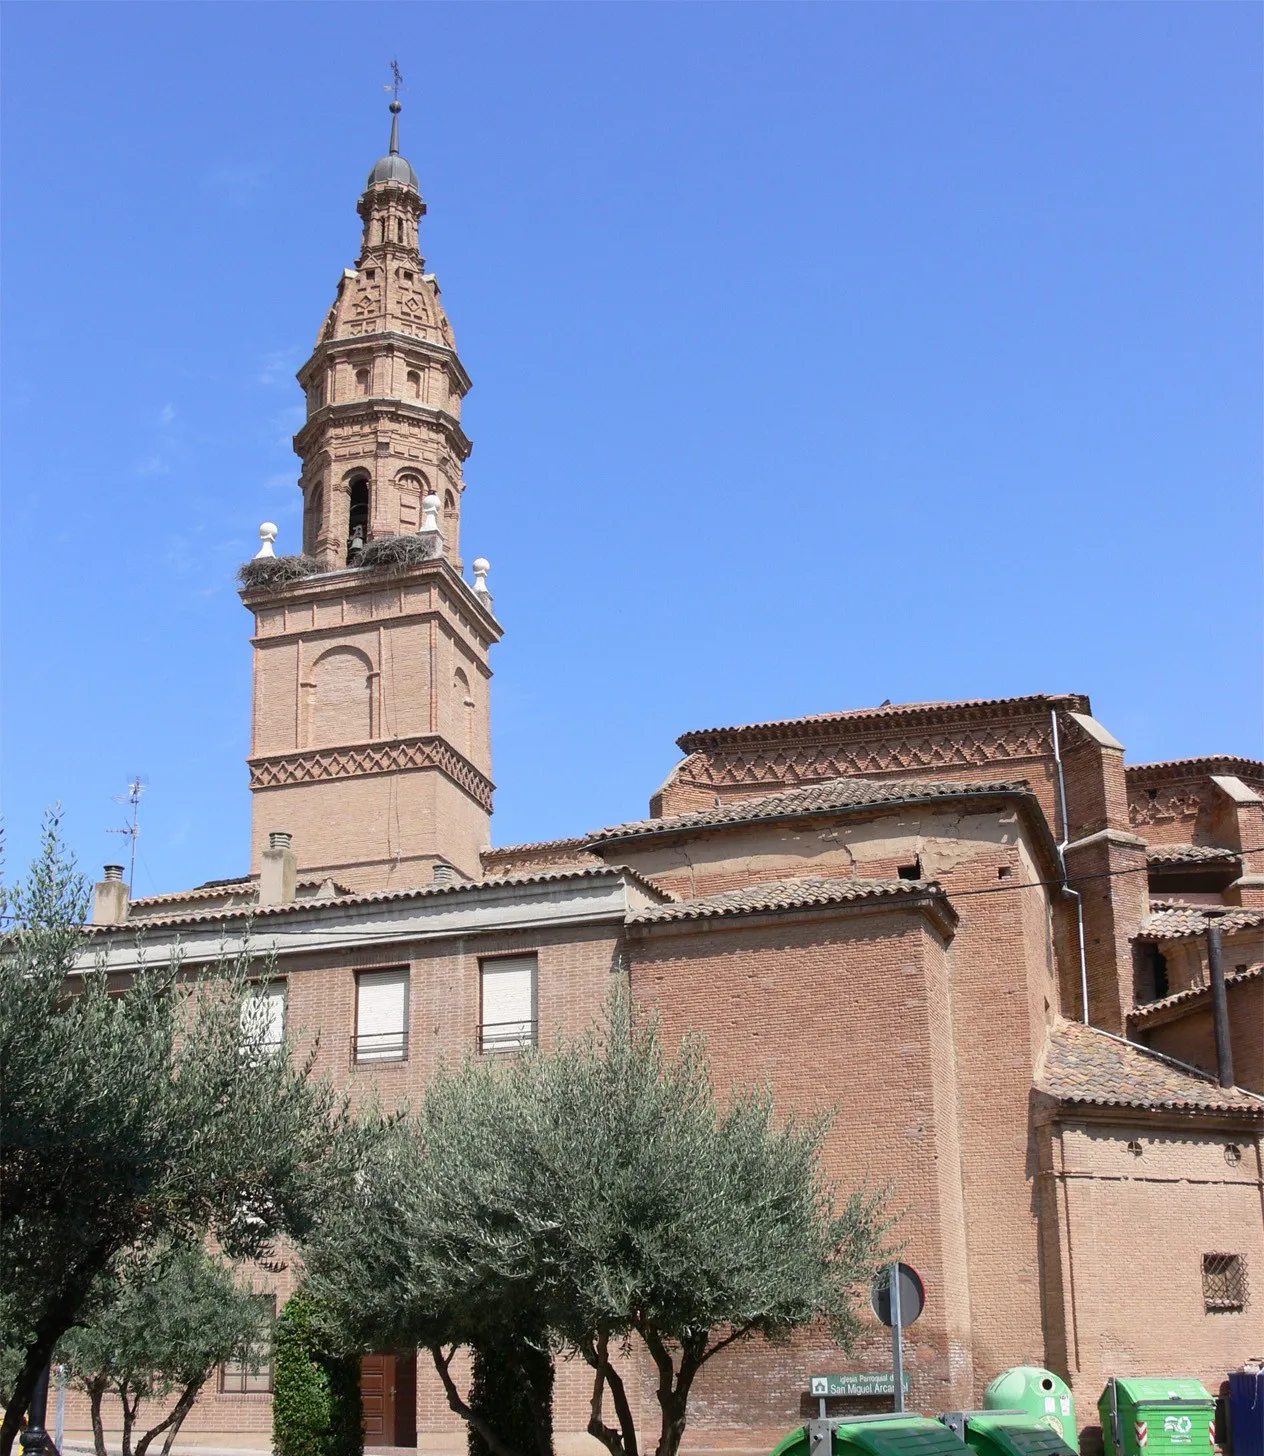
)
(1041, 1394)
(1006, 1433)
(897, 1434)
(1157, 1417)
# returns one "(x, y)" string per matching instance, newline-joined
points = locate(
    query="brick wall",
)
(1130, 1231)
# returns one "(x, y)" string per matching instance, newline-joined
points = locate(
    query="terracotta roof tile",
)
(1172, 854)
(380, 897)
(801, 893)
(1222, 763)
(835, 794)
(223, 889)
(1141, 1015)
(532, 846)
(1083, 1065)
(1177, 921)
(1075, 702)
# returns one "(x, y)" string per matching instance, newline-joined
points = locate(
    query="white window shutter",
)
(509, 996)
(381, 1016)
(263, 1015)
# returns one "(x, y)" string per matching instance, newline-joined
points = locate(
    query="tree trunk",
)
(129, 1418)
(97, 1393)
(56, 1320)
(475, 1421)
(623, 1441)
(176, 1418)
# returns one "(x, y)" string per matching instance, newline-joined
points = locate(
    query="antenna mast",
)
(135, 788)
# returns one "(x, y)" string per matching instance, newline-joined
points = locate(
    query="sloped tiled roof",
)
(1180, 920)
(223, 889)
(1087, 1066)
(1215, 763)
(1075, 702)
(1189, 854)
(380, 897)
(800, 893)
(533, 846)
(1153, 1010)
(835, 794)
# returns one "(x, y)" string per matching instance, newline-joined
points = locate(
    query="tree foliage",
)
(133, 1115)
(316, 1408)
(588, 1198)
(162, 1324)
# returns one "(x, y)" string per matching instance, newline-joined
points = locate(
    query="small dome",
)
(393, 168)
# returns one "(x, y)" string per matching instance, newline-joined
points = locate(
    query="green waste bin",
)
(1155, 1416)
(897, 1434)
(1041, 1394)
(1006, 1433)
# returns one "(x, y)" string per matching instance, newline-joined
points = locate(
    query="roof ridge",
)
(1080, 703)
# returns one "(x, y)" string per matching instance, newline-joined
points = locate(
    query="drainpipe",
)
(1066, 888)
(1219, 1006)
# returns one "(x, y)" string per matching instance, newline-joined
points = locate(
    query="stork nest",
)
(272, 571)
(397, 552)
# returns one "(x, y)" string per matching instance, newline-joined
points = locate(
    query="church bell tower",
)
(371, 734)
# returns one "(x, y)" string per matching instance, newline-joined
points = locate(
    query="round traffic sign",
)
(912, 1294)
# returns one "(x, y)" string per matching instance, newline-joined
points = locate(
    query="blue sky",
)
(823, 353)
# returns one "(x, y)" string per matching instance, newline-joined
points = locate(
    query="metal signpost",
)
(898, 1297)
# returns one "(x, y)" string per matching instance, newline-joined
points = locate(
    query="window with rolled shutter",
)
(381, 1016)
(263, 1016)
(508, 1019)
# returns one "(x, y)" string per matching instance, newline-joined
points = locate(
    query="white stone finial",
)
(267, 535)
(430, 512)
(481, 567)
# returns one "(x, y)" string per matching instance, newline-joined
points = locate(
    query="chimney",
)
(442, 873)
(278, 874)
(109, 898)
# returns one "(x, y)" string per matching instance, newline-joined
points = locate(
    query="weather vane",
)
(397, 81)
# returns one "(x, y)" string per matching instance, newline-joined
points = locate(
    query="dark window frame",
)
(239, 1371)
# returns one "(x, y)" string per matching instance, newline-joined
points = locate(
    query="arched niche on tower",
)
(411, 486)
(313, 515)
(449, 515)
(340, 706)
(465, 710)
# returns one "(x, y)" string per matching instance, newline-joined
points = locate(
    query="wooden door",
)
(377, 1392)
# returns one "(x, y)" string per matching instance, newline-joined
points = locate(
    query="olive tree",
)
(132, 1115)
(162, 1324)
(591, 1200)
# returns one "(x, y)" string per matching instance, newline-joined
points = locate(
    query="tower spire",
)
(395, 107)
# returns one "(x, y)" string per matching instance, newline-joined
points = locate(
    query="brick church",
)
(1029, 973)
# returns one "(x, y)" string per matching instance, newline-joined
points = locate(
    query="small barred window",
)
(1224, 1283)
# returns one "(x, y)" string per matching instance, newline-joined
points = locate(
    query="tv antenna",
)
(135, 788)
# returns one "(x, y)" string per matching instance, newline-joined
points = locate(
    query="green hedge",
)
(498, 1396)
(316, 1396)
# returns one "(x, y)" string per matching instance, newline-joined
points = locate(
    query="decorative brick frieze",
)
(354, 760)
(797, 763)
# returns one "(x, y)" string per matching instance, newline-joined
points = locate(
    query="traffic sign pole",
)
(897, 1338)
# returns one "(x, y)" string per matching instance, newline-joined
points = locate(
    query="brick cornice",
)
(395, 341)
(377, 408)
(355, 760)
(349, 581)
(934, 908)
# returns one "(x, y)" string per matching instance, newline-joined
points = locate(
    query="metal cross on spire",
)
(397, 80)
